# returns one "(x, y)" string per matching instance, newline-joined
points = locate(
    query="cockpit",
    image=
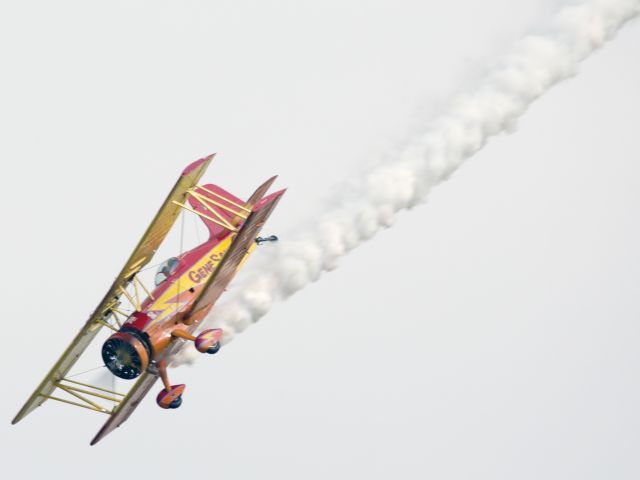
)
(165, 269)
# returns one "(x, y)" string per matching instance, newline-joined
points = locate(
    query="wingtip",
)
(96, 439)
(266, 185)
(271, 198)
(18, 417)
(198, 164)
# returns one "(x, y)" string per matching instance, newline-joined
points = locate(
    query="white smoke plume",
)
(371, 202)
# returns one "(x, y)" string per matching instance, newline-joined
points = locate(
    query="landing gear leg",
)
(171, 395)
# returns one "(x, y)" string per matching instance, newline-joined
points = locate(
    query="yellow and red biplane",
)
(186, 288)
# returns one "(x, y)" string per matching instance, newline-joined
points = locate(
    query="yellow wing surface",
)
(143, 253)
(241, 244)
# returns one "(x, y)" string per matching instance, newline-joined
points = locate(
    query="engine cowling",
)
(125, 355)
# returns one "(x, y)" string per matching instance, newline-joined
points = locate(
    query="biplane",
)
(186, 288)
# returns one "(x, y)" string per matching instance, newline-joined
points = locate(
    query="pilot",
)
(166, 269)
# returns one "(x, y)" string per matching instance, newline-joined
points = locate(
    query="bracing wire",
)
(181, 251)
(86, 371)
(195, 226)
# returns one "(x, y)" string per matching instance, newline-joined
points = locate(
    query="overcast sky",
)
(491, 333)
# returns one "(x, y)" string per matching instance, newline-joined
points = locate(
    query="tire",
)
(176, 403)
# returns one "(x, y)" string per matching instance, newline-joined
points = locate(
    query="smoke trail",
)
(371, 202)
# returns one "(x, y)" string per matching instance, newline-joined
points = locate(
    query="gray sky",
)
(491, 333)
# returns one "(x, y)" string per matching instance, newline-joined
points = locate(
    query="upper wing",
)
(229, 264)
(143, 253)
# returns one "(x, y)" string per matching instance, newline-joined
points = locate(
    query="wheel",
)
(171, 398)
(214, 349)
(176, 403)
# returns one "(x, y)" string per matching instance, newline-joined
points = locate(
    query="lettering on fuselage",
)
(200, 274)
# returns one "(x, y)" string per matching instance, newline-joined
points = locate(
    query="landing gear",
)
(171, 395)
(171, 398)
(207, 341)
